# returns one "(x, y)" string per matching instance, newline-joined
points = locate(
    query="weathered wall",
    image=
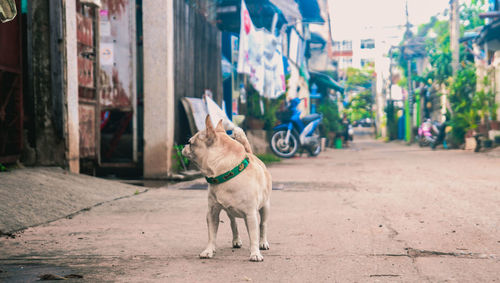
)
(182, 58)
(197, 55)
(49, 147)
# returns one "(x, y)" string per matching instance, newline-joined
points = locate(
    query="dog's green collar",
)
(229, 174)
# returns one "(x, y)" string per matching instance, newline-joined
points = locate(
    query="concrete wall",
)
(71, 67)
(158, 30)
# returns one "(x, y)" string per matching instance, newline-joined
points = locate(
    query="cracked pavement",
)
(374, 212)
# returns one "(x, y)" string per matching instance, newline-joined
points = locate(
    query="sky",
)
(354, 18)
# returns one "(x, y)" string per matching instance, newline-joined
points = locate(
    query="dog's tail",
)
(239, 135)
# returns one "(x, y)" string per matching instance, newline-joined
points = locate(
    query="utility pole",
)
(409, 98)
(454, 34)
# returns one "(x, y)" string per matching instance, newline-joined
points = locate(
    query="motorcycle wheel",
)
(279, 145)
(315, 149)
(421, 142)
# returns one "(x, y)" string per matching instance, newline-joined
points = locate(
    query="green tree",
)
(464, 114)
(359, 86)
(466, 105)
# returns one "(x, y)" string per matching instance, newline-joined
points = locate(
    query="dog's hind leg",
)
(252, 223)
(236, 236)
(213, 225)
(264, 215)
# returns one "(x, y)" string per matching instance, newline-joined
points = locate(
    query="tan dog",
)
(246, 195)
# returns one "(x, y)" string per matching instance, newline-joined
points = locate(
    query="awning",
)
(290, 10)
(261, 12)
(468, 36)
(490, 34)
(310, 11)
(323, 79)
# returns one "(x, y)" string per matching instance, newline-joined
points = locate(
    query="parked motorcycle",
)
(431, 133)
(295, 133)
(425, 136)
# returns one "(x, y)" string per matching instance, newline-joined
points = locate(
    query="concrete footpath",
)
(375, 212)
(33, 196)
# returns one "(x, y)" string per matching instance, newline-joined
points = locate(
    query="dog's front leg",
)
(252, 223)
(236, 236)
(264, 215)
(213, 225)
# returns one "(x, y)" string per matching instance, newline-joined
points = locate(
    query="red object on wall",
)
(85, 72)
(88, 104)
(84, 32)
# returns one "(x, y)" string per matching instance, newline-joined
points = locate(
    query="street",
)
(373, 212)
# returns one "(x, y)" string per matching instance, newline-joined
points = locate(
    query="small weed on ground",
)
(268, 158)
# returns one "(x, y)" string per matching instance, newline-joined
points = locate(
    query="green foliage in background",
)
(268, 158)
(271, 108)
(253, 104)
(392, 121)
(359, 84)
(179, 158)
(464, 113)
(331, 117)
(466, 106)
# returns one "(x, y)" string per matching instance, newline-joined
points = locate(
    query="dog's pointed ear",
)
(220, 127)
(210, 128)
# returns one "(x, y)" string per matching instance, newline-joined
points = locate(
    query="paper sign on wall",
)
(107, 54)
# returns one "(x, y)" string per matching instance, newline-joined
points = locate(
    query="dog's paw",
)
(237, 243)
(264, 245)
(256, 257)
(208, 253)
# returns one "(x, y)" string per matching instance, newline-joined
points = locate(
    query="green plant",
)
(497, 139)
(464, 103)
(271, 108)
(392, 121)
(2, 168)
(359, 86)
(253, 104)
(181, 161)
(268, 158)
(331, 117)
(487, 143)
(489, 108)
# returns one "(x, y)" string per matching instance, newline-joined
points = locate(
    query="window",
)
(347, 45)
(336, 46)
(346, 62)
(367, 43)
(367, 62)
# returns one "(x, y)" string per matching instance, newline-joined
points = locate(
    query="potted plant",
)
(255, 114)
(487, 143)
(330, 124)
(497, 140)
(271, 109)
